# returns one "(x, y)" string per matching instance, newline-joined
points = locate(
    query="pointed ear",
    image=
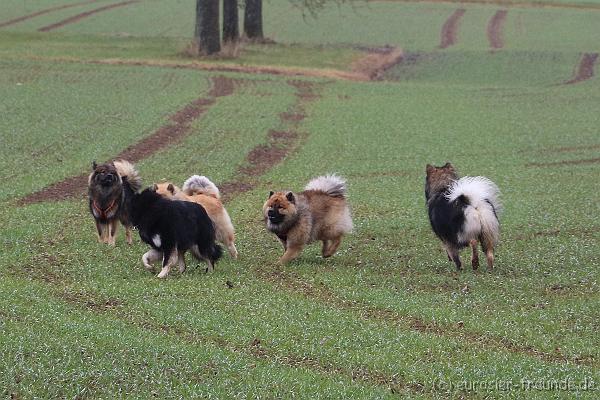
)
(94, 165)
(271, 193)
(449, 166)
(290, 197)
(171, 188)
(429, 169)
(155, 187)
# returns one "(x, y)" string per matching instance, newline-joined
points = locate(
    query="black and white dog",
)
(463, 212)
(171, 227)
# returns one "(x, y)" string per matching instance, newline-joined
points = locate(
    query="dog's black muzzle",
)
(275, 217)
(107, 180)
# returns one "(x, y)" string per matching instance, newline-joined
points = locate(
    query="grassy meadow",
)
(386, 317)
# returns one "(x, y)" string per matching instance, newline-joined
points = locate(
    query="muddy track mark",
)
(280, 143)
(377, 61)
(565, 162)
(294, 283)
(585, 69)
(494, 29)
(78, 17)
(44, 11)
(450, 29)
(581, 232)
(167, 135)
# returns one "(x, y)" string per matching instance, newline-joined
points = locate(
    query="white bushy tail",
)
(484, 207)
(333, 185)
(127, 170)
(197, 184)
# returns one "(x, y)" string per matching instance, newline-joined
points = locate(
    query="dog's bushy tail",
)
(129, 174)
(197, 184)
(484, 207)
(333, 185)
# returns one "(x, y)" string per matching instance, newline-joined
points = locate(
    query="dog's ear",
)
(171, 188)
(290, 197)
(155, 187)
(271, 193)
(429, 169)
(449, 167)
(94, 165)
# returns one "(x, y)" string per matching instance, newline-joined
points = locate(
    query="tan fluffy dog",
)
(320, 212)
(200, 190)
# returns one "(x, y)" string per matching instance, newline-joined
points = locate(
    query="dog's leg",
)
(128, 234)
(333, 246)
(475, 255)
(150, 257)
(325, 248)
(489, 255)
(181, 262)
(292, 251)
(229, 242)
(170, 258)
(453, 253)
(112, 233)
(100, 229)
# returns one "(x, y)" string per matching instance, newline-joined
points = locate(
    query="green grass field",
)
(388, 316)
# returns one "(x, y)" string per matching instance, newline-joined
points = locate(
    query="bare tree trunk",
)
(253, 20)
(207, 26)
(231, 30)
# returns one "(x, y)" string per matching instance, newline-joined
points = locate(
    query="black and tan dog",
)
(463, 212)
(107, 200)
(320, 212)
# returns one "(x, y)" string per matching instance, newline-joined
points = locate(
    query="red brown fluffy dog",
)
(201, 190)
(319, 213)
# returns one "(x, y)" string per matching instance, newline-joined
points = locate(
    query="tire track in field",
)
(322, 294)
(86, 14)
(44, 11)
(448, 35)
(494, 29)
(178, 127)
(585, 69)
(280, 143)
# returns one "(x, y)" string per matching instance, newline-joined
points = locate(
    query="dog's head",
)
(279, 208)
(105, 175)
(439, 178)
(167, 190)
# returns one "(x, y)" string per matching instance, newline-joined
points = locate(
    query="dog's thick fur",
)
(463, 212)
(202, 191)
(171, 227)
(320, 212)
(107, 200)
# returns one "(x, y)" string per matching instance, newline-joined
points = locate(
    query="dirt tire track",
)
(377, 61)
(44, 11)
(280, 143)
(165, 136)
(585, 69)
(565, 162)
(78, 17)
(322, 294)
(494, 29)
(448, 35)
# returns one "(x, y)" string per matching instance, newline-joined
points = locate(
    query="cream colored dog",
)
(199, 189)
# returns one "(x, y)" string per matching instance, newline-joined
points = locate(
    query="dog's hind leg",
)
(170, 258)
(150, 257)
(128, 234)
(181, 261)
(331, 247)
(453, 253)
(475, 255)
(229, 243)
(488, 248)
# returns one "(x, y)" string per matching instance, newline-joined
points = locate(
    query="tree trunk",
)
(207, 26)
(253, 20)
(231, 30)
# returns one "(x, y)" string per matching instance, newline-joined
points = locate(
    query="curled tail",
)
(333, 185)
(483, 209)
(129, 174)
(197, 184)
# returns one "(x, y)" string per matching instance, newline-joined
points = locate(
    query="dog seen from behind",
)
(463, 212)
(201, 190)
(107, 200)
(319, 213)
